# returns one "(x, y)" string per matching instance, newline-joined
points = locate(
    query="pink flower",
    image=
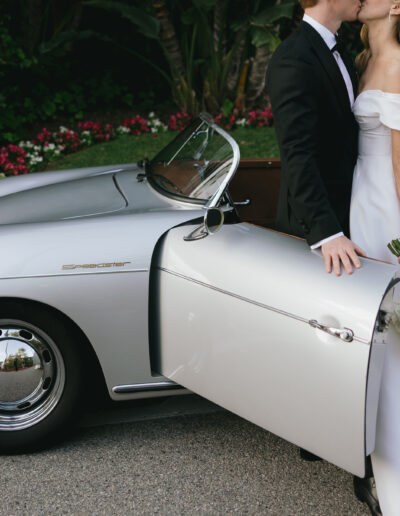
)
(263, 118)
(178, 121)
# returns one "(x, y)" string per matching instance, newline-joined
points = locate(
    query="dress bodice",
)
(377, 113)
(375, 206)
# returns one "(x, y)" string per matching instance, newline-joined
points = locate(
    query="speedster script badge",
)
(94, 265)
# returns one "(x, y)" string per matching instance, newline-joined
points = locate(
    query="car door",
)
(249, 319)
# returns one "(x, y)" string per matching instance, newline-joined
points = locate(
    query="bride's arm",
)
(396, 159)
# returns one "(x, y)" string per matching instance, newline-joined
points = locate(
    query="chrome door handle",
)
(246, 202)
(342, 333)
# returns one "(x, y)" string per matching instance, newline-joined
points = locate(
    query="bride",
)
(375, 210)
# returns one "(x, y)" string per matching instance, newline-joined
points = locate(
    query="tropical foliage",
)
(68, 59)
(216, 50)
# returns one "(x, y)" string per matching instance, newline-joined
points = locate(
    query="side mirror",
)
(213, 221)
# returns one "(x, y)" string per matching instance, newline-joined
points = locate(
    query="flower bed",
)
(28, 156)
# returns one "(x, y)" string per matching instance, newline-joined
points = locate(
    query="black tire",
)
(42, 382)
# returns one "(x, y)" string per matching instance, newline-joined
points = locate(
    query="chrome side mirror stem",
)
(196, 234)
(213, 221)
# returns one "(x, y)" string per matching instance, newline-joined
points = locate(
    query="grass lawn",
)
(253, 143)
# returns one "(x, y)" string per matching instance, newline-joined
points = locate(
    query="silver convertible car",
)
(163, 277)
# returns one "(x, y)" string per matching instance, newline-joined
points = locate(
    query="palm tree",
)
(169, 39)
(217, 44)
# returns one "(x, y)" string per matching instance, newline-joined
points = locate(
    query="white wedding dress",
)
(375, 221)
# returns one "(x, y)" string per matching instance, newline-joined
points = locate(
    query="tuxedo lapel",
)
(329, 64)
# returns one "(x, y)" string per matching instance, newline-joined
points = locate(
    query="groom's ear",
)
(308, 3)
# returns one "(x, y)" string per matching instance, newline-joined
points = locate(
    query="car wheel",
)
(40, 377)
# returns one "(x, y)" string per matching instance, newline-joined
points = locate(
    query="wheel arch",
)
(96, 381)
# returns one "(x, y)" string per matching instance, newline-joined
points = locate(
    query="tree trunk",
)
(219, 33)
(66, 8)
(31, 13)
(169, 39)
(256, 95)
(236, 66)
(62, 10)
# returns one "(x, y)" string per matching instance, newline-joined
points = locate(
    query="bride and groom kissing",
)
(339, 138)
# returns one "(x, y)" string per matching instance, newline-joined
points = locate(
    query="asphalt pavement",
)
(179, 456)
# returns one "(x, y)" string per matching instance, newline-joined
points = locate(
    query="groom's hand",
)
(341, 251)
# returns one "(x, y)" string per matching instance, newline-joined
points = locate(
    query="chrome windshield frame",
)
(216, 197)
(214, 200)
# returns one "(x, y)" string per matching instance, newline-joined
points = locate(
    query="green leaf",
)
(391, 249)
(237, 25)
(190, 16)
(64, 37)
(261, 36)
(273, 13)
(394, 247)
(227, 107)
(145, 23)
(204, 4)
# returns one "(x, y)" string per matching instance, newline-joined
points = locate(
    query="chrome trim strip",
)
(71, 274)
(112, 171)
(146, 387)
(247, 300)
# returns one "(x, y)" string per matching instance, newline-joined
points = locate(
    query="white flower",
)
(123, 130)
(241, 122)
(25, 145)
(34, 160)
(156, 125)
(152, 114)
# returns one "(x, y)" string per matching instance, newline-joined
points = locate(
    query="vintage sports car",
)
(152, 279)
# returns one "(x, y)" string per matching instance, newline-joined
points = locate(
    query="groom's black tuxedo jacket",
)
(317, 135)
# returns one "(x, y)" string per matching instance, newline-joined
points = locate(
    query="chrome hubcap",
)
(32, 375)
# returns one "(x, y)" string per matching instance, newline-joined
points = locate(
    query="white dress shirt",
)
(330, 41)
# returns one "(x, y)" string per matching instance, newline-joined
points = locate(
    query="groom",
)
(312, 85)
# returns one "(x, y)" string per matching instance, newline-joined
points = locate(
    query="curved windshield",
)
(197, 165)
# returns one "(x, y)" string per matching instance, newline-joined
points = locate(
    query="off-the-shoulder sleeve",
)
(388, 108)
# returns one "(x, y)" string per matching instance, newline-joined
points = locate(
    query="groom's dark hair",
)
(308, 3)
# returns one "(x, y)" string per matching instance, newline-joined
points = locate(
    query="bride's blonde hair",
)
(364, 56)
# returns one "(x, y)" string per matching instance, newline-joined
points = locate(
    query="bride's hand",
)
(341, 251)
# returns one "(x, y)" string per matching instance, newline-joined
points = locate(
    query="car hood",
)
(58, 195)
